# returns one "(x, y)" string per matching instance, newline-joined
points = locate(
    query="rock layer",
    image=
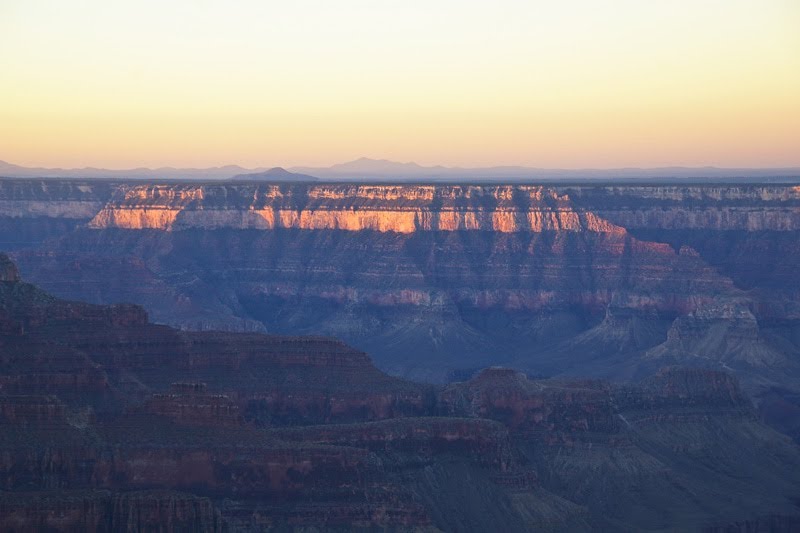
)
(147, 427)
(435, 281)
(401, 209)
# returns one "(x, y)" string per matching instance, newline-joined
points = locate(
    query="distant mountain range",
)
(381, 169)
(366, 168)
(213, 173)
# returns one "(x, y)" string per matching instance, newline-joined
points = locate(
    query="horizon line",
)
(445, 166)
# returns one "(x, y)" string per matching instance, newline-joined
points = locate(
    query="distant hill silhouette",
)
(10, 170)
(274, 174)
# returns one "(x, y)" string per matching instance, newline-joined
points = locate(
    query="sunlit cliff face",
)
(401, 209)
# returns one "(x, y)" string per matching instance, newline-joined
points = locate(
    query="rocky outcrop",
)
(23, 306)
(727, 332)
(568, 412)
(683, 396)
(556, 413)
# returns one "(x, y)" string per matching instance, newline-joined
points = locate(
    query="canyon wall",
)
(436, 281)
(709, 207)
(400, 209)
(405, 208)
(109, 422)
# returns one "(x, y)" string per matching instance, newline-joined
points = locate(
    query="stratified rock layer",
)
(437, 281)
(109, 422)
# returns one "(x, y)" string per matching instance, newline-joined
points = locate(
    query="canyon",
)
(436, 281)
(110, 422)
(439, 280)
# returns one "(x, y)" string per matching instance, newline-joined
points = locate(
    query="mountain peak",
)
(277, 171)
(274, 174)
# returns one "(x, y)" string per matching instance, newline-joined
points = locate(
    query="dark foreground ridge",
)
(109, 422)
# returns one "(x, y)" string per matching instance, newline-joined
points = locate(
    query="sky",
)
(551, 84)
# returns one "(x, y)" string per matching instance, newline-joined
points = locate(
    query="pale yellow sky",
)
(567, 83)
